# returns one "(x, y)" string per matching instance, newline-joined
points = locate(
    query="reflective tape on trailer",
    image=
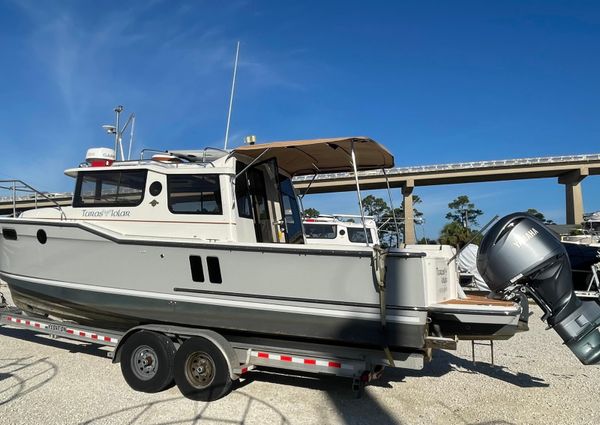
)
(308, 361)
(63, 329)
(26, 322)
(92, 336)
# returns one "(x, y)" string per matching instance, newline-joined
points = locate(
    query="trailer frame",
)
(243, 354)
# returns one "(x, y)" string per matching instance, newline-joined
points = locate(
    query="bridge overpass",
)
(569, 170)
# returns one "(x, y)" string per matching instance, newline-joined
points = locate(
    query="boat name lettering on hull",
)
(442, 287)
(106, 213)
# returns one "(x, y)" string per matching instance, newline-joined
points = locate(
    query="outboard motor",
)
(520, 254)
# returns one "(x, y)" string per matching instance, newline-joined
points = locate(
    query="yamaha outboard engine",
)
(520, 254)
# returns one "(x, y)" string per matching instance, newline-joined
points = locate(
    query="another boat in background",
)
(340, 229)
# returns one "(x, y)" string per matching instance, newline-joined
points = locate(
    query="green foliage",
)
(384, 217)
(311, 213)
(376, 207)
(455, 234)
(539, 216)
(463, 211)
(577, 231)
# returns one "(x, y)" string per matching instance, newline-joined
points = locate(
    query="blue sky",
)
(435, 82)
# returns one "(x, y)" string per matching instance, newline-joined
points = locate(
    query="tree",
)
(311, 213)
(375, 207)
(455, 234)
(381, 211)
(463, 211)
(539, 216)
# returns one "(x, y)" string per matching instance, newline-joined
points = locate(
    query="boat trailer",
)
(241, 355)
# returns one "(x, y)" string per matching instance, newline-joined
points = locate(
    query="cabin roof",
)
(298, 157)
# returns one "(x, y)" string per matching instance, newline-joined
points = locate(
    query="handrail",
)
(150, 150)
(29, 189)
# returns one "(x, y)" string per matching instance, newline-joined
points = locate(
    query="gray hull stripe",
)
(117, 311)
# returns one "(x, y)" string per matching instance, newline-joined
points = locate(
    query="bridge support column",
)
(574, 195)
(409, 218)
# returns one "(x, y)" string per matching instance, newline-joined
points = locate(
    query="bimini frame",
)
(317, 156)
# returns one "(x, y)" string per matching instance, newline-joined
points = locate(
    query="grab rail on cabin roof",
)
(182, 154)
(18, 186)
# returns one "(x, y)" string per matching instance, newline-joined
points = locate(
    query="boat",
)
(214, 239)
(340, 229)
(584, 255)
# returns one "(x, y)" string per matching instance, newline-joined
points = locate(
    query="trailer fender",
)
(183, 332)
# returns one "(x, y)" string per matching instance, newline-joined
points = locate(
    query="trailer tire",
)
(147, 360)
(201, 370)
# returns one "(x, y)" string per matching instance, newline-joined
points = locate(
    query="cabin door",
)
(263, 223)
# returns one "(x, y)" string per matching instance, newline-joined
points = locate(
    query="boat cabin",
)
(243, 195)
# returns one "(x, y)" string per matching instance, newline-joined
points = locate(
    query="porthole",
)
(342, 232)
(42, 237)
(155, 188)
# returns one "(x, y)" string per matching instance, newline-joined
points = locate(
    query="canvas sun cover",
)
(467, 263)
(300, 157)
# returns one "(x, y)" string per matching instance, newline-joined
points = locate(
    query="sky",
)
(435, 82)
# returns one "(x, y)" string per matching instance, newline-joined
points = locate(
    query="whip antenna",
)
(237, 53)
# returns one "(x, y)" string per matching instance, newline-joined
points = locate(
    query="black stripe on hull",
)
(121, 312)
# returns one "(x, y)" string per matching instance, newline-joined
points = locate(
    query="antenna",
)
(118, 144)
(237, 53)
(131, 136)
(130, 120)
(118, 132)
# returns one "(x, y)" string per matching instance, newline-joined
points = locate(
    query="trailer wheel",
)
(201, 371)
(147, 361)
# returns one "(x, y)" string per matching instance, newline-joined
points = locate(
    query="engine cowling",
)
(520, 254)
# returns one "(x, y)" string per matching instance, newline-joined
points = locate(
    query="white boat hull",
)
(92, 276)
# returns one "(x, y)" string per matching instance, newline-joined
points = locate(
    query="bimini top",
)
(300, 157)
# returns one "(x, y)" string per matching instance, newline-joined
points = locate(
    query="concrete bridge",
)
(568, 170)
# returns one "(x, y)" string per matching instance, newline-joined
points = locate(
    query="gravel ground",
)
(535, 380)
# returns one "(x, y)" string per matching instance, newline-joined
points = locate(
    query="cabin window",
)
(357, 234)
(291, 211)
(9, 234)
(194, 194)
(242, 192)
(110, 188)
(320, 231)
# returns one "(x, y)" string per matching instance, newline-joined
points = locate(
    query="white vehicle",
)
(339, 230)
